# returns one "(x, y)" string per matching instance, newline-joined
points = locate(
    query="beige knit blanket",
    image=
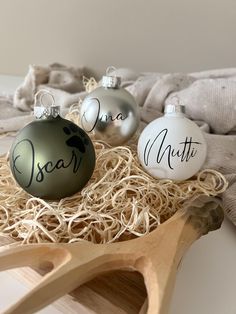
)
(209, 97)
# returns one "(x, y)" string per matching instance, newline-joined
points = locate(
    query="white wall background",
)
(151, 35)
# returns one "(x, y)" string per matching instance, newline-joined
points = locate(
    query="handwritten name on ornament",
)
(39, 170)
(98, 117)
(187, 149)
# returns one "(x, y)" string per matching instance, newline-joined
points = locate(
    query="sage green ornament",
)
(110, 111)
(52, 157)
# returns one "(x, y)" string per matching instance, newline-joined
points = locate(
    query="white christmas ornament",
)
(172, 147)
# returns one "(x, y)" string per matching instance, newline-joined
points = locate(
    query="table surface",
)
(206, 281)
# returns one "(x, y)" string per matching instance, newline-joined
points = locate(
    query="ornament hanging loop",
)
(110, 69)
(43, 93)
(175, 100)
(111, 81)
(41, 110)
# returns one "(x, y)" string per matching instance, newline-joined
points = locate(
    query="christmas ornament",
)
(110, 111)
(172, 147)
(51, 157)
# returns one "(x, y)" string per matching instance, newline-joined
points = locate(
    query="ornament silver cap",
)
(174, 106)
(111, 81)
(170, 108)
(42, 110)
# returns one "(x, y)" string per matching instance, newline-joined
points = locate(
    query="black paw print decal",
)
(76, 141)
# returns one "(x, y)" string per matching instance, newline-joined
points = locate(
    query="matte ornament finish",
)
(111, 113)
(172, 147)
(52, 158)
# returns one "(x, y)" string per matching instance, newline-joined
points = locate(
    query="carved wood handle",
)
(198, 217)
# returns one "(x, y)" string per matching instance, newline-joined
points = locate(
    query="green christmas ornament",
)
(52, 157)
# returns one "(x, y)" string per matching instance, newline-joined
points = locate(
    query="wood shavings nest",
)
(120, 202)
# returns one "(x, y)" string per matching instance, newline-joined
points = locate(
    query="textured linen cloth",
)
(209, 98)
(65, 83)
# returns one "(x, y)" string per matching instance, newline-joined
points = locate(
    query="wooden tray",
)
(94, 274)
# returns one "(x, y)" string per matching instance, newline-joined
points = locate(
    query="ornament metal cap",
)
(111, 81)
(175, 106)
(44, 111)
(170, 108)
